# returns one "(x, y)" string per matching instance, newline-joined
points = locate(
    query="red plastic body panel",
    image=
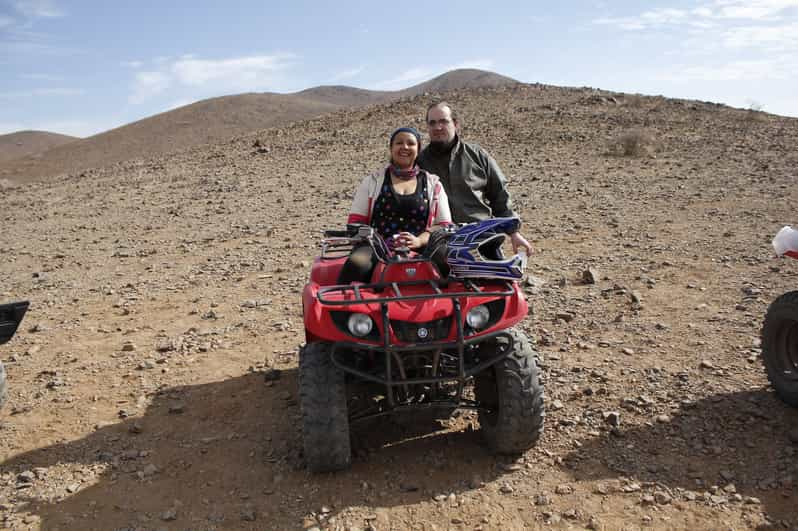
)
(319, 326)
(325, 272)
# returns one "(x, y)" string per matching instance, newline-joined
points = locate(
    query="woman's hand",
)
(412, 242)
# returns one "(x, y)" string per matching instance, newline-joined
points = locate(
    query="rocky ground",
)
(153, 383)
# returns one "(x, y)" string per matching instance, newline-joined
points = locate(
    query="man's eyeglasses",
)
(442, 122)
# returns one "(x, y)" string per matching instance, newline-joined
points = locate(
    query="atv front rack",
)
(392, 351)
(471, 289)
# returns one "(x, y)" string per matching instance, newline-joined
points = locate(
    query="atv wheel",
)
(512, 420)
(325, 423)
(780, 346)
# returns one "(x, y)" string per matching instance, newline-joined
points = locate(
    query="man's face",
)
(441, 127)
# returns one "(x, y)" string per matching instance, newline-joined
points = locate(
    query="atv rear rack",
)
(471, 289)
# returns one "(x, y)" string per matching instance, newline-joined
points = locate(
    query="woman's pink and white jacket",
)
(369, 189)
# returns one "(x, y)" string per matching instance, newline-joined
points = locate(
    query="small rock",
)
(542, 499)
(248, 514)
(662, 497)
(177, 408)
(128, 347)
(590, 276)
(506, 489)
(706, 364)
(72, 488)
(565, 316)
(613, 418)
(25, 477)
(169, 515)
(564, 489)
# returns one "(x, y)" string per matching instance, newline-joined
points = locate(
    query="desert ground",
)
(153, 383)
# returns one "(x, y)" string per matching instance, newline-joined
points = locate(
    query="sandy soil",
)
(164, 294)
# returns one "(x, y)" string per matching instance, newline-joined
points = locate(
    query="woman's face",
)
(404, 150)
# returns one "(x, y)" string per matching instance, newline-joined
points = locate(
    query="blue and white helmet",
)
(475, 250)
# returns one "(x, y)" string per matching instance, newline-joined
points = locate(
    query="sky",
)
(84, 67)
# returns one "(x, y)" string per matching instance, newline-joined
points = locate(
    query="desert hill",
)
(218, 119)
(21, 143)
(154, 381)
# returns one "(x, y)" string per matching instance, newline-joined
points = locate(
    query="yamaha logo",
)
(411, 271)
(423, 333)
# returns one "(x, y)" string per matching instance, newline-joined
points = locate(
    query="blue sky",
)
(83, 67)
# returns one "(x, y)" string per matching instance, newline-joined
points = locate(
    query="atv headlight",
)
(359, 324)
(478, 316)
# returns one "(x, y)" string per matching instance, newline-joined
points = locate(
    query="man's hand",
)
(519, 241)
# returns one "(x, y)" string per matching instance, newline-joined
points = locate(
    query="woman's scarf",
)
(405, 175)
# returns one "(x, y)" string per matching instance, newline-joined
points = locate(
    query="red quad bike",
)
(10, 317)
(429, 332)
(780, 330)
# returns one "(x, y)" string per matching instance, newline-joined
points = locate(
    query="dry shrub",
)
(633, 143)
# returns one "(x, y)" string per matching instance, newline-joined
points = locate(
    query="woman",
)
(401, 201)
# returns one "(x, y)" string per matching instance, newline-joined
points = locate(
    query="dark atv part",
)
(780, 346)
(511, 397)
(325, 421)
(10, 317)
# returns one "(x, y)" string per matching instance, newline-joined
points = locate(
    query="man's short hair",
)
(441, 103)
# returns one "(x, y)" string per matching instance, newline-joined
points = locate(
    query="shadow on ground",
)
(219, 454)
(726, 444)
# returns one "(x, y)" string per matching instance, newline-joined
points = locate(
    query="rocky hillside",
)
(218, 120)
(154, 382)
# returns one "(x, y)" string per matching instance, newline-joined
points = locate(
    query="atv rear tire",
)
(513, 396)
(780, 346)
(325, 422)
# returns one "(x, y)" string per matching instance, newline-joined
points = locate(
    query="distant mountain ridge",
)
(216, 119)
(21, 143)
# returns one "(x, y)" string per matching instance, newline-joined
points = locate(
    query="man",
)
(476, 187)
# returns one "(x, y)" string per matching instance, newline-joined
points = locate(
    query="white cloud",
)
(753, 9)
(132, 64)
(38, 8)
(204, 77)
(148, 84)
(347, 74)
(703, 15)
(255, 71)
(778, 37)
